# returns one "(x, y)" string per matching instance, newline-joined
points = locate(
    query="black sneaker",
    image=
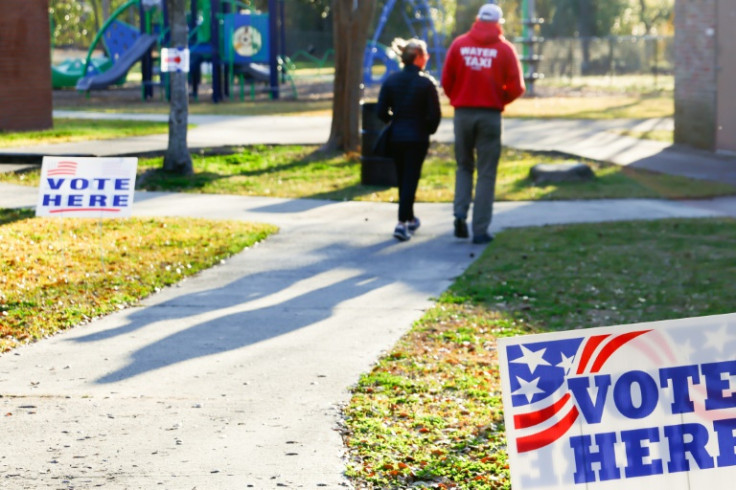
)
(461, 228)
(482, 239)
(401, 233)
(413, 225)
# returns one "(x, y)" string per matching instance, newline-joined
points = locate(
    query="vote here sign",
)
(86, 187)
(643, 406)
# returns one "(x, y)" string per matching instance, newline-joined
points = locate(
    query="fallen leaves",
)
(59, 273)
(433, 403)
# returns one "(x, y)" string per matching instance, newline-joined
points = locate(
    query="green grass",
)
(59, 273)
(613, 106)
(655, 135)
(67, 130)
(430, 412)
(304, 172)
(204, 106)
(640, 84)
(600, 106)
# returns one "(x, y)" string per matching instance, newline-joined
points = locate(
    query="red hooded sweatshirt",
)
(482, 69)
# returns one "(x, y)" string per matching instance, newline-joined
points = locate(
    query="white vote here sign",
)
(640, 407)
(87, 187)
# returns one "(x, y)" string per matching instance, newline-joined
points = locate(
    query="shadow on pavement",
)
(299, 297)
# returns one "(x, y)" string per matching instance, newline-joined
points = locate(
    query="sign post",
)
(644, 406)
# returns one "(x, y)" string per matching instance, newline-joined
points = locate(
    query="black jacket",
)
(411, 97)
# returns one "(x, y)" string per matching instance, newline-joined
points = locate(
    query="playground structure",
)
(237, 43)
(420, 17)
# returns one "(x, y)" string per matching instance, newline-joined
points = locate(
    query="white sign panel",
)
(173, 59)
(645, 406)
(86, 187)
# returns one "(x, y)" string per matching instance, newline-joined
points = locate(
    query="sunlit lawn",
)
(304, 172)
(430, 414)
(57, 273)
(298, 172)
(67, 130)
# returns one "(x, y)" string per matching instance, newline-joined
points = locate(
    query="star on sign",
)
(566, 362)
(532, 358)
(528, 388)
(717, 339)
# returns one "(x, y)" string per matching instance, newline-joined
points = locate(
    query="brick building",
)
(25, 65)
(705, 74)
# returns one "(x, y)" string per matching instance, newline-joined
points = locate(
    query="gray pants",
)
(476, 129)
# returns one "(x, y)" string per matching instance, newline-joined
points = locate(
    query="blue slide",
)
(121, 65)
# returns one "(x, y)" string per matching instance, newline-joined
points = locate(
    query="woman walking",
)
(409, 101)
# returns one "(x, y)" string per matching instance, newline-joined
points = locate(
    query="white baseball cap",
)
(491, 12)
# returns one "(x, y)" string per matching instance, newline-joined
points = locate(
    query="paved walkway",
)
(233, 378)
(588, 139)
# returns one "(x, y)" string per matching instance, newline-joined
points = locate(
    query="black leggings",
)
(409, 157)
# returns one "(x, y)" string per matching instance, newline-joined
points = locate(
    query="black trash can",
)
(374, 170)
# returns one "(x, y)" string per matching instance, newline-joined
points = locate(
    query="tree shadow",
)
(156, 179)
(247, 318)
(8, 216)
(236, 330)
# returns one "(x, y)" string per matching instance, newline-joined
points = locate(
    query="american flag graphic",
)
(63, 168)
(543, 407)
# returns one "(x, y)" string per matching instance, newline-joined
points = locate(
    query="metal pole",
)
(282, 36)
(273, 39)
(527, 29)
(217, 75)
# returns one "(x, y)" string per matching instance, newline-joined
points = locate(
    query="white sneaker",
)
(401, 232)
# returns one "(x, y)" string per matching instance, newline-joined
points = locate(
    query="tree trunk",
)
(644, 17)
(586, 30)
(351, 19)
(99, 18)
(177, 158)
(105, 10)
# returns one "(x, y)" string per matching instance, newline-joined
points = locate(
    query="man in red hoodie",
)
(481, 75)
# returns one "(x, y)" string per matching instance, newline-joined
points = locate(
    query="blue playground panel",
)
(246, 38)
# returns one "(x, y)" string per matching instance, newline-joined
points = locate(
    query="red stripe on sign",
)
(590, 346)
(612, 347)
(547, 436)
(524, 420)
(104, 210)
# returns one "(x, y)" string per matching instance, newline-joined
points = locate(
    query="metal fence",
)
(647, 61)
(316, 43)
(613, 58)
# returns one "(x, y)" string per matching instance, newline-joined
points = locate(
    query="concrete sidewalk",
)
(594, 139)
(233, 379)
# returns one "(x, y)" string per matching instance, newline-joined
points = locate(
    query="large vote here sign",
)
(645, 406)
(86, 187)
